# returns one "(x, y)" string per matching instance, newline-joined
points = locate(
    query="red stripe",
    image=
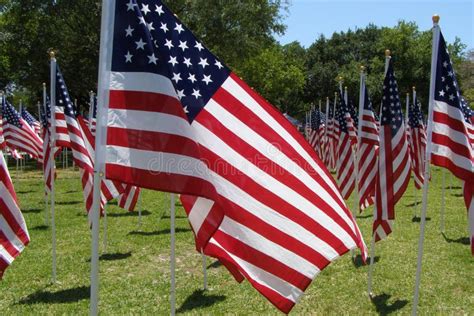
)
(454, 124)
(443, 161)
(457, 148)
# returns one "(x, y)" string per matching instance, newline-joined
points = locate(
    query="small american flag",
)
(31, 120)
(45, 117)
(417, 142)
(179, 120)
(367, 154)
(19, 135)
(330, 141)
(345, 158)
(3, 144)
(394, 158)
(13, 231)
(453, 130)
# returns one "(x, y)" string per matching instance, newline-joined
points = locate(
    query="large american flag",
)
(13, 231)
(31, 120)
(345, 158)
(367, 153)
(18, 134)
(452, 131)
(417, 142)
(179, 120)
(393, 172)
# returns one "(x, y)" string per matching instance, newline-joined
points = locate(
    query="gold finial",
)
(345, 88)
(362, 68)
(408, 94)
(52, 54)
(327, 98)
(339, 78)
(435, 18)
(335, 94)
(387, 52)
(414, 88)
(44, 84)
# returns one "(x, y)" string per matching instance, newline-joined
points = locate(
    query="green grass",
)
(135, 276)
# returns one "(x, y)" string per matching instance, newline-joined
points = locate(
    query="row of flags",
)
(172, 117)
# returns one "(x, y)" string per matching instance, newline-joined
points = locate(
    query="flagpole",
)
(372, 242)
(91, 108)
(105, 228)
(51, 152)
(107, 17)
(443, 200)
(359, 127)
(434, 54)
(326, 141)
(204, 269)
(52, 145)
(140, 211)
(407, 109)
(173, 256)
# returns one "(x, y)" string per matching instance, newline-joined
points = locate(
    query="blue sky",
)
(307, 19)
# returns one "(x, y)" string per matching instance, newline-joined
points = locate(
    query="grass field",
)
(135, 276)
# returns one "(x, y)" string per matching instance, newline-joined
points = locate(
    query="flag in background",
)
(417, 142)
(367, 153)
(45, 117)
(31, 120)
(393, 172)
(266, 205)
(14, 235)
(452, 130)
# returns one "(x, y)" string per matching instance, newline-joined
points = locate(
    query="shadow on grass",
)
(63, 296)
(113, 256)
(454, 187)
(461, 240)
(215, 264)
(70, 191)
(126, 214)
(364, 216)
(25, 192)
(413, 204)
(68, 202)
(199, 299)
(457, 195)
(383, 308)
(32, 210)
(417, 219)
(158, 232)
(167, 216)
(40, 227)
(358, 262)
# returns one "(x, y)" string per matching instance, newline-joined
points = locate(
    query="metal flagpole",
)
(140, 210)
(204, 270)
(107, 17)
(91, 108)
(51, 151)
(173, 256)
(372, 242)
(443, 199)
(52, 139)
(359, 131)
(434, 55)
(407, 109)
(105, 228)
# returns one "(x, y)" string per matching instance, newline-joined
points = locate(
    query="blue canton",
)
(391, 106)
(149, 38)
(10, 114)
(62, 95)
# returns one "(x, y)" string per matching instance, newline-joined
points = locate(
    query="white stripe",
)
(460, 161)
(383, 174)
(199, 212)
(142, 81)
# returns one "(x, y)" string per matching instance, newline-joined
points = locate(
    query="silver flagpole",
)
(105, 228)
(91, 108)
(359, 131)
(52, 139)
(416, 191)
(372, 243)
(407, 109)
(173, 256)
(51, 152)
(140, 211)
(434, 55)
(443, 199)
(204, 270)
(105, 55)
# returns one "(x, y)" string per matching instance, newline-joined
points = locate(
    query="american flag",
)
(179, 120)
(45, 117)
(13, 232)
(417, 142)
(330, 145)
(452, 130)
(352, 122)
(345, 156)
(31, 120)
(316, 128)
(18, 134)
(3, 144)
(92, 121)
(62, 135)
(394, 158)
(367, 154)
(129, 198)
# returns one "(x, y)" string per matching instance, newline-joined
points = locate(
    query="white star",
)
(179, 28)
(176, 77)
(451, 97)
(199, 46)
(203, 62)
(443, 79)
(141, 20)
(187, 62)
(441, 93)
(156, 44)
(145, 9)
(128, 57)
(186, 109)
(169, 44)
(152, 59)
(172, 61)
(218, 64)
(128, 31)
(150, 26)
(450, 73)
(159, 9)
(130, 5)
(164, 27)
(183, 45)
(445, 64)
(181, 94)
(196, 93)
(207, 79)
(140, 44)
(192, 78)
